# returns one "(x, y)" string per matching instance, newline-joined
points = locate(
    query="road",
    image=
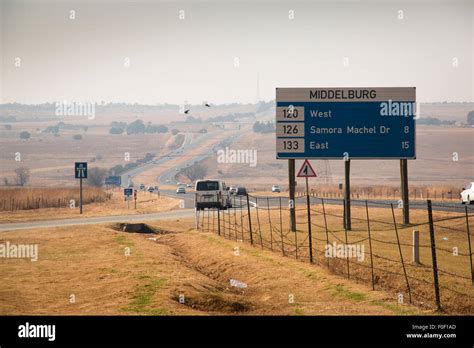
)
(97, 220)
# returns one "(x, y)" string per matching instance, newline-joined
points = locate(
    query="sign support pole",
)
(291, 178)
(310, 238)
(80, 196)
(347, 194)
(404, 190)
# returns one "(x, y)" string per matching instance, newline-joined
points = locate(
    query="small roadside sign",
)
(306, 170)
(80, 170)
(128, 192)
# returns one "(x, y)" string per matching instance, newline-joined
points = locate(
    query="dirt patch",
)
(214, 302)
(138, 228)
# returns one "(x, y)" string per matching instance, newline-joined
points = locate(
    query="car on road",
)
(189, 186)
(181, 189)
(241, 191)
(150, 189)
(142, 187)
(232, 189)
(276, 188)
(467, 194)
(212, 193)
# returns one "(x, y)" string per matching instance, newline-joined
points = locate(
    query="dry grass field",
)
(85, 271)
(115, 205)
(271, 232)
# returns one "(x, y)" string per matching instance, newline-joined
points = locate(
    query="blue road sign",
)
(113, 180)
(80, 170)
(364, 123)
(128, 192)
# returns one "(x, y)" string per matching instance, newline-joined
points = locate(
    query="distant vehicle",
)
(142, 187)
(276, 188)
(150, 189)
(232, 189)
(241, 191)
(189, 185)
(181, 189)
(212, 194)
(467, 194)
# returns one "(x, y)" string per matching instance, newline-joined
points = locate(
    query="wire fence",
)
(428, 262)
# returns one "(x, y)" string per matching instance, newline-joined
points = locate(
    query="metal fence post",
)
(400, 251)
(250, 219)
(326, 228)
(370, 244)
(469, 242)
(270, 222)
(218, 221)
(310, 237)
(433, 255)
(258, 222)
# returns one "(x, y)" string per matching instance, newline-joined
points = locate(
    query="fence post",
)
(370, 244)
(400, 251)
(241, 219)
(416, 247)
(213, 220)
(270, 222)
(250, 219)
(326, 227)
(469, 242)
(258, 222)
(223, 223)
(433, 255)
(218, 221)
(308, 207)
(235, 217)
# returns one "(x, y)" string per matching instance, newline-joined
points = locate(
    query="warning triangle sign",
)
(306, 171)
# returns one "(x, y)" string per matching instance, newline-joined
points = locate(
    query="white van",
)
(212, 193)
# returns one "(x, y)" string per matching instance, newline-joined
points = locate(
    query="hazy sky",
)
(194, 59)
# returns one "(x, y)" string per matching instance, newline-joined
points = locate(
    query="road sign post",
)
(404, 190)
(347, 195)
(347, 123)
(80, 172)
(306, 171)
(291, 184)
(128, 192)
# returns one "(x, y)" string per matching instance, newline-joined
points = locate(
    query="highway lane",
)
(129, 175)
(274, 201)
(181, 213)
(169, 176)
(188, 211)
